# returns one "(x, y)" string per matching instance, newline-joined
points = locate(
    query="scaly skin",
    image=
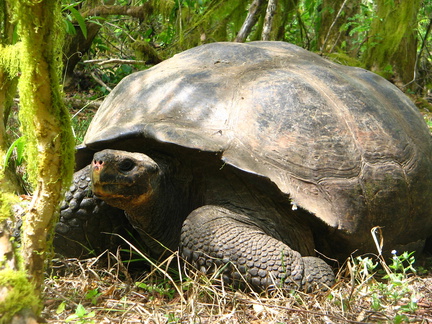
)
(213, 235)
(86, 222)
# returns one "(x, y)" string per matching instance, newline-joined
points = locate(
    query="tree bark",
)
(334, 15)
(268, 20)
(45, 123)
(250, 21)
(140, 12)
(391, 45)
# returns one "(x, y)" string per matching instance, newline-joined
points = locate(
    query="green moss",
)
(20, 295)
(164, 7)
(345, 59)
(6, 201)
(394, 21)
(32, 82)
(145, 52)
(194, 24)
(9, 59)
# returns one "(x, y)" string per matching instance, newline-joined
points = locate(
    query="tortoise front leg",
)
(215, 236)
(85, 221)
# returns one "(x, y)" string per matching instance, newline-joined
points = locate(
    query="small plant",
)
(81, 315)
(172, 318)
(71, 15)
(93, 295)
(161, 289)
(18, 146)
(403, 263)
(388, 288)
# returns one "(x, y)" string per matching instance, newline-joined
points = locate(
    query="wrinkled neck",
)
(160, 219)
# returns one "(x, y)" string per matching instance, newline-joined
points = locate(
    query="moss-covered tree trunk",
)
(9, 70)
(49, 147)
(46, 125)
(391, 46)
(285, 11)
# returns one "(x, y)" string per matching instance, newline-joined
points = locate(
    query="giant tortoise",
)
(255, 156)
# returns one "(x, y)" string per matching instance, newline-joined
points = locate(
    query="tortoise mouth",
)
(121, 196)
(106, 184)
(108, 190)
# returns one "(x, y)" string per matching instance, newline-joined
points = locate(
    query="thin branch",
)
(139, 12)
(428, 29)
(303, 29)
(113, 61)
(250, 21)
(332, 25)
(268, 20)
(98, 80)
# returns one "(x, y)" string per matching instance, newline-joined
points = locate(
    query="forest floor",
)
(92, 291)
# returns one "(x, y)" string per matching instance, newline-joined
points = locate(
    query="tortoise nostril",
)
(98, 162)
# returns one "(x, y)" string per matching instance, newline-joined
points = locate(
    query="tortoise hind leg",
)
(85, 222)
(212, 235)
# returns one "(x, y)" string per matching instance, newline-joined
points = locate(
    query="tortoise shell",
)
(342, 142)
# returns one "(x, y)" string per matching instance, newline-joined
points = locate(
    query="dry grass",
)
(98, 291)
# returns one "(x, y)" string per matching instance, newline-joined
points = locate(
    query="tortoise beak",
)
(97, 166)
(95, 179)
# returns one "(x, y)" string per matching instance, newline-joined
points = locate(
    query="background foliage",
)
(390, 37)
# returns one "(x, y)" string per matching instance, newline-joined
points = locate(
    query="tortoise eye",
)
(126, 165)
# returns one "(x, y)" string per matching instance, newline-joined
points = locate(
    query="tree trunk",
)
(285, 11)
(77, 45)
(50, 152)
(334, 14)
(391, 44)
(268, 20)
(46, 125)
(251, 19)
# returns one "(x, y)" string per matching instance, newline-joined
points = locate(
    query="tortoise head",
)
(125, 180)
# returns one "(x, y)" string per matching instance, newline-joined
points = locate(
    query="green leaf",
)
(20, 147)
(61, 307)
(80, 311)
(80, 19)
(71, 318)
(71, 5)
(19, 144)
(70, 28)
(15, 36)
(91, 314)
